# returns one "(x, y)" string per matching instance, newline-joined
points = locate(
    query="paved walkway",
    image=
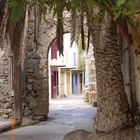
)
(65, 115)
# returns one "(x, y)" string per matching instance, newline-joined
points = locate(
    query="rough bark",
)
(135, 52)
(137, 67)
(128, 68)
(113, 108)
(125, 60)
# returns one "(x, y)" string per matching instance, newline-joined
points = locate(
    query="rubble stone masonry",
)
(6, 98)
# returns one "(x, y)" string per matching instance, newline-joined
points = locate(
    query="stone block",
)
(8, 111)
(41, 108)
(39, 118)
(29, 70)
(40, 73)
(40, 84)
(29, 87)
(29, 98)
(5, 116)
(7, 105)
(30, 80)
(2, 81)
(27, 111)
(31, 62)
(42, 95)
(33, 103)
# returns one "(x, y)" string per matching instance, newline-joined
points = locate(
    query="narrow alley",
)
(66, 114)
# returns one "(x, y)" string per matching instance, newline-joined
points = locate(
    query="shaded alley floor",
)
(66, 114)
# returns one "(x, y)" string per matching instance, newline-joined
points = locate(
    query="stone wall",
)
(8, 39)
(6, 98)
(90, 94)
(90, 67)
(36, 94)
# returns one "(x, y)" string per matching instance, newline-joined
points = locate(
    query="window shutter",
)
(54, 50)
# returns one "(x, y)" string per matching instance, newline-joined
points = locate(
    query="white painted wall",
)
(67, 60)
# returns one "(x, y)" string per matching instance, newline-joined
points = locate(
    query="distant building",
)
(65, 77)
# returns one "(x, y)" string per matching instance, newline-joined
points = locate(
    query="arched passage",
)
(36, 97)
(66, 105)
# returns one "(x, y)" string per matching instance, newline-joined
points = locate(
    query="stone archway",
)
(35, 58)
(36, 95)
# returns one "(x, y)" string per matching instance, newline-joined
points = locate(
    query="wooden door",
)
(54, 84)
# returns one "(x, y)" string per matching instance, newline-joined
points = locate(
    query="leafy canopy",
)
(116, 8)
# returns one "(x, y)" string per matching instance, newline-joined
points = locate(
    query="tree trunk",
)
(113, 109)
(128, 67)
(17, 85)
(15, 33)
(134, 30)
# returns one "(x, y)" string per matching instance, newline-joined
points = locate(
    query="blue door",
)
(74, 83)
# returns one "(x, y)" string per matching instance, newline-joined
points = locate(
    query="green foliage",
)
(116, 8)
(124, 8)
(16, 9)
(119, 7)
(120, 2)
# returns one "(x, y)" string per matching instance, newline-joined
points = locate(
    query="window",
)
(74, 59)
(54, 50)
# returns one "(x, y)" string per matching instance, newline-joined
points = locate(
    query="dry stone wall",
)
(90, 94)
(6, 99)
(35, 74)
